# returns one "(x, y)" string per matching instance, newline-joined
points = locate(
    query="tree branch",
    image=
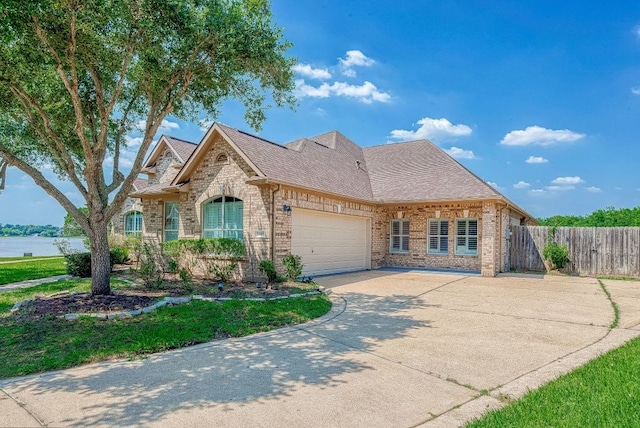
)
(48, 187)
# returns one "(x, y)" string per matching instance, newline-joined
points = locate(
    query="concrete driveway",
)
(397, 349)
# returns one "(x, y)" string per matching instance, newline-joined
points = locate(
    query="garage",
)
(330, 243)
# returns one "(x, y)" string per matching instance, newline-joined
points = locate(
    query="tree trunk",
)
(100, 260)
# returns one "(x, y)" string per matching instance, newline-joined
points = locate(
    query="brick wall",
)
(117, 221)
(418, 216)
(213, 178)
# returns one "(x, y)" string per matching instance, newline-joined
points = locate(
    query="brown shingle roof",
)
(416, 171)
(421, 171)
(182, 148)
(140, 183)
(327, 163)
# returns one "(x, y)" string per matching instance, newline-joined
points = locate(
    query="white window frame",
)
(137, 223)
(224, 231)
(466, 243)
(167, 212)
(401, 237)
(439, 238)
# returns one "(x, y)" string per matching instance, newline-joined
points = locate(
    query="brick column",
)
(489, 238)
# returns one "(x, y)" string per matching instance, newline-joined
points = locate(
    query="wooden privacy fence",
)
(592, 250)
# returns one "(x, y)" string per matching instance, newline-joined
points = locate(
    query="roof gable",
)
(181, 150)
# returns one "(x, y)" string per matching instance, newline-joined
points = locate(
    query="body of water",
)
(16, 246)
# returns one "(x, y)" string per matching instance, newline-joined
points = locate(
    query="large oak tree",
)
(76, 76)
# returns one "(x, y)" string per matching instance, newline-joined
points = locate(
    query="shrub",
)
(152, 265)
(293, 266)
(78, 264)
(268, 269)
(556, 256)
(119, 255)
(217, 256)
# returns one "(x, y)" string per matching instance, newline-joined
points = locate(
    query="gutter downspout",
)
(273, 223)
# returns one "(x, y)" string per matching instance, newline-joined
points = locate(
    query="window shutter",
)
(395, 227)
(405, 227)
(444, 227)
(473, 227)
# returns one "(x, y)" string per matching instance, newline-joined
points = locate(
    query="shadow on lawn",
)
(228, 374)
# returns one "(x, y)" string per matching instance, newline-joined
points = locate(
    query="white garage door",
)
(330, 243)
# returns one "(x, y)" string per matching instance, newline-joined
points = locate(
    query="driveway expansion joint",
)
(23, 406)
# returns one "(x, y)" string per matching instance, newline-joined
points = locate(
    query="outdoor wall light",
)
(286, 208)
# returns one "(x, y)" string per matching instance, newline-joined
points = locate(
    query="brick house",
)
(341, 207)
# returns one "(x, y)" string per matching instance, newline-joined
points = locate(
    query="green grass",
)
(603, 393)
(10, 298)
(33, 269)
(31, 346)
(13, 259)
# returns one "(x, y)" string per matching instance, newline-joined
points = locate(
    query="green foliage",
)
(152, 265)
(292, 266)
(119, 255)
(79, 264)
(71, 226)
(76, 77)
(217, 256)
(268, 269)
(608, 217)
(29, 230)
(557, 256)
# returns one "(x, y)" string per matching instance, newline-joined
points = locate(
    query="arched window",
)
(222, 218)
(133, 223)
(222, 158)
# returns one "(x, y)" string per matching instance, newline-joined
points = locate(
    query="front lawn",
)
(32, 269)
(603, 393)
(31, 345)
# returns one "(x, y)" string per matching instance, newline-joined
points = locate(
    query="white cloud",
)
(536, 159)
(458, 153)
(559, 188)
(312, 73)
(635, 91)
(493, 184)
(367, 92)
(536, 191)
(521, 185)
(636, 30)
(568, 181)
(593, 189)
(132, 142)
(165, 126)
(355, 58)
(436, 129)
(537, 135)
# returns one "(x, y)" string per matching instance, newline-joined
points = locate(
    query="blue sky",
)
(542, 99)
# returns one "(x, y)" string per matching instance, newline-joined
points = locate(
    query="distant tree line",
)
(608, 217)
(29, 230)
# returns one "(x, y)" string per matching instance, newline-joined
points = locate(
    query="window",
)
(467, 236)
(133, 223)
(222, 158)
(400, 236)
(222, 218)
(170, 221)
(438, 239)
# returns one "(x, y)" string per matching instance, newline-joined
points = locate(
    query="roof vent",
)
(358, 164)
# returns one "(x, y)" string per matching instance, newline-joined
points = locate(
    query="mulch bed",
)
(137, 297)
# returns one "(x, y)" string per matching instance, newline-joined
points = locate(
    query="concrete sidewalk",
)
(397, 349)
